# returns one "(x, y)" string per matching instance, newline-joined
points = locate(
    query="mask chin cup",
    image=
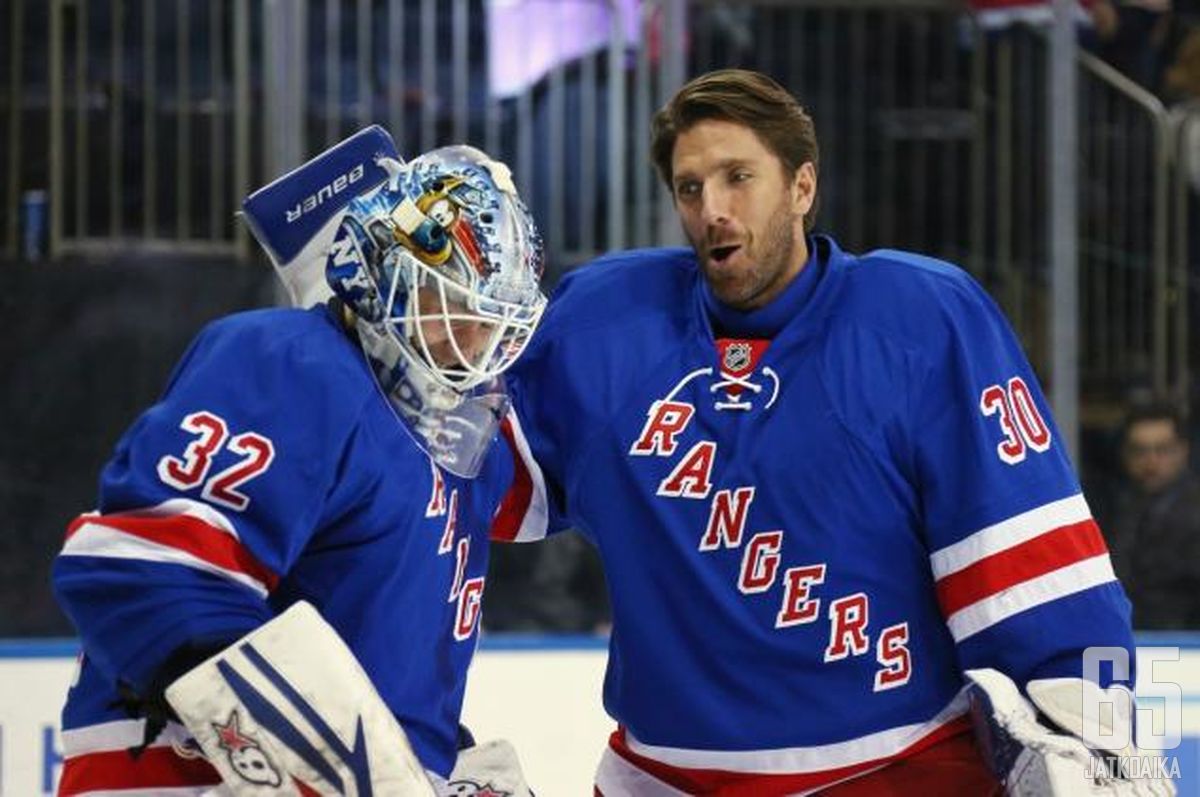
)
(455, 429)
(458, 439)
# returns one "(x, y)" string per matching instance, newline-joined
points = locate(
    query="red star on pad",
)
(488, 791)
(230, 737)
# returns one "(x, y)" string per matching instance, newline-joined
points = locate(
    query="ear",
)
(804, 189)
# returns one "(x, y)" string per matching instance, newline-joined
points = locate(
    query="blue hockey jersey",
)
(271, 470)
(807, 537)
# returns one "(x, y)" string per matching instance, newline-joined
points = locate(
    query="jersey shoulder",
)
(902, 327)
(292, 375)
(624, 287)
(922, 301)
(288, 383)
(281, 331)
(281, 349)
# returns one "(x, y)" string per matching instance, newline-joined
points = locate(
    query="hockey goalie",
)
(279, 592)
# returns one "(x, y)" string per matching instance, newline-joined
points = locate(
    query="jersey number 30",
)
(191, 470)
(1022, 424)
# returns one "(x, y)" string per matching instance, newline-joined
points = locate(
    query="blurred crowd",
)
(1149, 511)
(1154, 42)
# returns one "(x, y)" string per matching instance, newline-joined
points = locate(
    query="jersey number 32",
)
(212, 434)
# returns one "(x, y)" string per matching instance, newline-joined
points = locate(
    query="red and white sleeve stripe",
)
(178, 531)
(523, 515)
(1025, 561)
(96, 762)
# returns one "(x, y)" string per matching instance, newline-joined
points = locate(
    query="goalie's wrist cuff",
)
(150, 701)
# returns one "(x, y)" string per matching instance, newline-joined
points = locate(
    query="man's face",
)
(1154, 456)
(447, 339)
(741, 212)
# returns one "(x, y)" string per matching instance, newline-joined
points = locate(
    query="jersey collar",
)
(800, 303)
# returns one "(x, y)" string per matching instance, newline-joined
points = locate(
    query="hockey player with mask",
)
(828, 494)
(280, 589)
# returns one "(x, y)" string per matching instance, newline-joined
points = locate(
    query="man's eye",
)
(687, 189)
(740, 177)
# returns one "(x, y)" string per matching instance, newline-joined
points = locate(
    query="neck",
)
(786, 277)
(783, 302)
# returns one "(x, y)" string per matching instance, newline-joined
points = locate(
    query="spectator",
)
(1131, 35)
(1155, 525)
(1181, 75)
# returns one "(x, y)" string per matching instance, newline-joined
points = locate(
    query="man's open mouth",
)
(722, 253)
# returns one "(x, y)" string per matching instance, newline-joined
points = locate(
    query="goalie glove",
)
(287, 711)
(1035, 760)
(488, 768)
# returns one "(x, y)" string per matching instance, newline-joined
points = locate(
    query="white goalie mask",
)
(440, 268)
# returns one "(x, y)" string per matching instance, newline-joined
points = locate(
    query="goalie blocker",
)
(287, 710)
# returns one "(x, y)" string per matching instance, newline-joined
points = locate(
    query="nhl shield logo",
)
(737, 357)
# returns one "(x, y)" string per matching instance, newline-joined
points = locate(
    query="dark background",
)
(85, 347)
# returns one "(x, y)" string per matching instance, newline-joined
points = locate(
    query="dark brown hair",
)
(1155, 410)
(747, 98)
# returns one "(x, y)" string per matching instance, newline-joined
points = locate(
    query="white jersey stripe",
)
(1008, 533)
(616, 777)
(804, 760)
(117, 735)
(536, 521)
(972, 619)
(181, 506)
(96, 539)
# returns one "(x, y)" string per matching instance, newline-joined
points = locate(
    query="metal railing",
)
(160, 116)
(933, 134)
(1125, 214)
(562, 134)
(155, 118)
(144, 106)
(1183, 273)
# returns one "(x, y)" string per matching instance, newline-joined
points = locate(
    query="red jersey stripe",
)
(748, 784)
(1043, 554)
(508, 519)
(159, 767)
(185, 533)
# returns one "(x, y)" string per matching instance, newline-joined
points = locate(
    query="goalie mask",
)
(439, 267)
